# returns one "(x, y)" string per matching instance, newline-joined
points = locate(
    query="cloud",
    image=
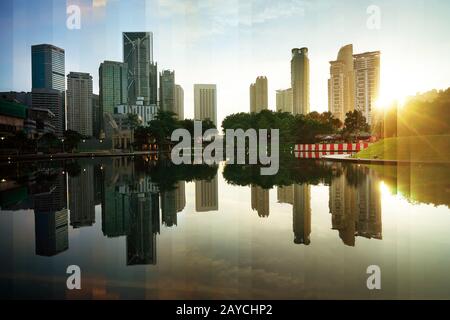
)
(221, 15)
(99, 3)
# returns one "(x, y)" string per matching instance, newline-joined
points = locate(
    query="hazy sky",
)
(231, 42)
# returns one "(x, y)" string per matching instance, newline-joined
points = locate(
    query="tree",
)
(355, 123)
(71, 139)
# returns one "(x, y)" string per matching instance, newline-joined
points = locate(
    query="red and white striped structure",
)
(315, 154)
(331, 147)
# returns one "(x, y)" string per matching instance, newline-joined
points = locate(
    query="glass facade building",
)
(142, 71)
(48, 82)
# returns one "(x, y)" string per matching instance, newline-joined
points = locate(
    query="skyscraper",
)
(47, 67)
(367, 82)
(54, 101)
(113, 84)
(341, 85)
(167, 90)
(97, 116)
(48, 81)
(179, 102)
(300, 80)
(354, 83)
(284, 100)
(79, 102)
(205, 102)
(142, 71)
(258, 95)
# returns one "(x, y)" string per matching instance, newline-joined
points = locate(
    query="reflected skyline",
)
(133, 206)
(125, 202)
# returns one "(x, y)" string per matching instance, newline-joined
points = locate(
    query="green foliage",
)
(292, 128)
(291, 171)
(423, 114)
(160, 129)
(355, 123)
(71, 140)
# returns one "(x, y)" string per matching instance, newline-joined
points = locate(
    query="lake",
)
(141, 228)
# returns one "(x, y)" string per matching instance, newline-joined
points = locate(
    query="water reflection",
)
(136, 197)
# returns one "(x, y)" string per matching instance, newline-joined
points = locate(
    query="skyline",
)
(193, 39)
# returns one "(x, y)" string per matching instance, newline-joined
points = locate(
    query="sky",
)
(231, 42)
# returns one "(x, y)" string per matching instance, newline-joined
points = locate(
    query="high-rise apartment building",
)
(300, 80)
(205, 102)
(179, 102)
(284, 100)
(79, 103)
(258, 95)
(354, 83)
(142, 71)
(48, 81)
(167, 90)
(341, 85)
(367, 82)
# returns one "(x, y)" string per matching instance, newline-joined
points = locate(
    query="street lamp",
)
(62, 140)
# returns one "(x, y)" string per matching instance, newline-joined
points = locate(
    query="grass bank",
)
(416, 148)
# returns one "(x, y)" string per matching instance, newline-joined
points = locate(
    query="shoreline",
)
(347, 158)
(61, 156)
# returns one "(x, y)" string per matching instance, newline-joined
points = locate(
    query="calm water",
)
(144, 229)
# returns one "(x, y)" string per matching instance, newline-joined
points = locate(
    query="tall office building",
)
(167, 91)
(179, 102)
(260, 200)
(367, 82)
(48, 82)
(341, 85)
(113, 85)
(205, 102)
(284, 100)
(300, 80)
(142, 71)
(79, 102)
(97, 116)
(207, 195)
(258, 95)
(52, 100)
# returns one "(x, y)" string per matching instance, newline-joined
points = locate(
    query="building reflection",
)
(355, 205)
(206, 195)
(301, 214)
(136, 198)
(285, 194)
(81, 198)
(51, 217)
(299, 196)
(260, 200)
